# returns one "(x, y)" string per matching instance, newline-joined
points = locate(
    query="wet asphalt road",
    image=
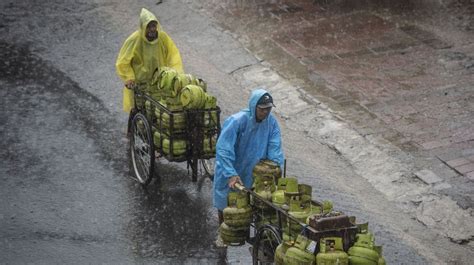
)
(66, 195)
(66, 192)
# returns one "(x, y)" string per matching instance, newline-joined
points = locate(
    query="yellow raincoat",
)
(139, 58)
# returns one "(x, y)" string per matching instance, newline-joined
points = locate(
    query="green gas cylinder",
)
(156, 138)
(265, 192)
(148, 110)
(165, 79)
(327, 206)
(299, 211)
(179, 120)
(232, 236)
(305, 191)
(263, 183)
(237, 217)
(278, 198)
(301, 253)
(381, 261)
(265, 213)
(156, 95)
(179, 146)
(238, 213)
(180, 81)
(281, 183)
(171, 104)
(287, 235)
(262, 180)
(193, 97)
(238, 198)
(363, 252)
(292, 185)
(280, 252)
(314, 209)
(266, 170)
(331, 252)
(300, 215)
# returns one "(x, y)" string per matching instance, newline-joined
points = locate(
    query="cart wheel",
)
(142, 149)
(208, 165)
(266, 241)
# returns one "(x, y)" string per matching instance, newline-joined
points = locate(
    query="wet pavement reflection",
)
(173, 217)
(65, 181)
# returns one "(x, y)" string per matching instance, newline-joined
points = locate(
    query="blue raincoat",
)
(243, 142)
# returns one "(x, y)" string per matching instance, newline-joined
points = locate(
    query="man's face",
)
(151, 31)
(262, 114)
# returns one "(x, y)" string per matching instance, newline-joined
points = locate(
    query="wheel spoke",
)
(143, 168)
(142, 135)
(143, 159)
(142, 149)
(139, 134)
(266, 243)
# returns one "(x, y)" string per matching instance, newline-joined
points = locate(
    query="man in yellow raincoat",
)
(143, 52)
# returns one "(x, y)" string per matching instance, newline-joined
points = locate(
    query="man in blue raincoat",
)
(246, 137)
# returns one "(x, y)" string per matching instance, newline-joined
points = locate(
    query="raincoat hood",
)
(146, 17)
(254, 97)
(139, 58)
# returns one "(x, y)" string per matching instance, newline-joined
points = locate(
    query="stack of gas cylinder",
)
(329, 251)
(295, 199)
(264, 174)
(237, 218)
(285, 193)
(364, 250)
(178, 92)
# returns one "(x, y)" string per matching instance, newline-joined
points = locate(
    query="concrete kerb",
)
(390, 170)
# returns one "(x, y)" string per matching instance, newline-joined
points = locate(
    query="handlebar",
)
(135, 86)
(240, 186)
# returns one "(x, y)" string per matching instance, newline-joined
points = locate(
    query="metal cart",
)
(201, 129)
(265, 238)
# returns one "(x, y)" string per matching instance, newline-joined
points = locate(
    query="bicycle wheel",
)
(208, 165)
(142, 149)
(266, 241)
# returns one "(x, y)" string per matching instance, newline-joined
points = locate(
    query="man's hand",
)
(233, 180)
(130, 84)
